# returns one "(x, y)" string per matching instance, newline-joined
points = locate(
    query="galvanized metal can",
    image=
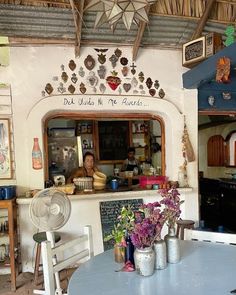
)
(160, 251)
(144, 260)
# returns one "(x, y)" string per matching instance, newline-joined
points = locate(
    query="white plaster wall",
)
(31, 68)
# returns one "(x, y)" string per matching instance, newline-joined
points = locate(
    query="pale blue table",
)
(205, 269)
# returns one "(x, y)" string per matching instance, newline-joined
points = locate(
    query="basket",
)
(83, 183)
(99, 180)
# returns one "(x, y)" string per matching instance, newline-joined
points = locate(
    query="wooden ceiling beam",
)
(77, 11)
(138, 39)
(203, 20)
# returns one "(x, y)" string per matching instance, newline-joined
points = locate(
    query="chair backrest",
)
(76, 250)
(208, 236)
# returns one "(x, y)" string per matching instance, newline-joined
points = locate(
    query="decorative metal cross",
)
(133, 71)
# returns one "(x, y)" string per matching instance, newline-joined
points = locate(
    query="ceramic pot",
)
(119, 253)
(173, 246)
(160, 253)
(144, 260)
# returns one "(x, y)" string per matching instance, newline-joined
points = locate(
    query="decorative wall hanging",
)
(211, 100)
(161, 93)
(82, 88)
(92, 79)
(133, 71)
(101, 72)
(125, 71)
(118, 52)
(141, 77)
(111, 11)
(128, 81)
(226, 95)
(74, 79)
(49, 88)
(72, 65)
(124, 61)
(61, 88)
(101, 56)
(55, 78)
(64, 77)
(187, 149)
(71, 89)
(81, 72)
(113, 59)
(89, 62)
(5, 150)
(113, 81)
(223, 70)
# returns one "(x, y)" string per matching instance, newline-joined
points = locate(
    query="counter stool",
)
(39, 238)
(181, 225)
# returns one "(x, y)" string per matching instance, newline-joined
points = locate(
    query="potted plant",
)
(120, 232)
(146, 231)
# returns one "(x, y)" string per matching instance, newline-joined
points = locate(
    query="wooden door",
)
(216, 151)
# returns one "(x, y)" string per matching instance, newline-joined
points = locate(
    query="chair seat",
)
(185, 222)
(41, 237)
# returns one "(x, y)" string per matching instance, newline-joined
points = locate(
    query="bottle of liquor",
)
(129, 249)
(36, 155)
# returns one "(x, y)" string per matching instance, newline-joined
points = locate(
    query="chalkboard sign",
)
(109, 211)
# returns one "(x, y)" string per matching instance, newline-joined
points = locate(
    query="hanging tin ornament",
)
(55, 78)
(125, 71)
(81, 72)
(143, 92)
(92, 80)
(152, 91)
(133, 71)
(124, 61)
(89, 62)
(74, 79)
(113, 81)
(135, 91)
(161, 93)
(61, 88)
(226, 95)
(127, 87)
(118, 52)
(120, 90)
(156, 84)
(134, 82)
(102, 88)
(94, 89)
(82, 88)
(43, 93)
(62, 67)
(211, 100)
(102, 58)
(72, 65)
(64, 77)
(149, 83)
(71, 89)
(49, 88)
(113, 59)
(141, 77)
(101, 72)
(141, 87)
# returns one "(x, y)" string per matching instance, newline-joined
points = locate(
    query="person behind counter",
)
(131, 162)
(87, 170)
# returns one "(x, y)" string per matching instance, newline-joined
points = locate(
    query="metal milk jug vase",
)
(173, 246)
(160, 254)
(144, 260)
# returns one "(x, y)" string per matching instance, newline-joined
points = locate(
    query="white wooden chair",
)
(80, 248)
(208, 236)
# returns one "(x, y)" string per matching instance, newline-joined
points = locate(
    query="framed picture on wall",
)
(5, 150)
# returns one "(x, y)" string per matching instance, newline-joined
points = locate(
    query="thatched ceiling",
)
(171, 23)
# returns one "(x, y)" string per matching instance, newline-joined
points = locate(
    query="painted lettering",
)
(112, 101)
(85, 101)
(129, 102)
(68, 101)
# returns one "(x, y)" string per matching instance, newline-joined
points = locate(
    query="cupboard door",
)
(216, 151)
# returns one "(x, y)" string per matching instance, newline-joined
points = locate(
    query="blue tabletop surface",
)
(205, 269)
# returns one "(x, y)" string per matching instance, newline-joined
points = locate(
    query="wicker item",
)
(83, 183)
(99, 180)
(67, 189)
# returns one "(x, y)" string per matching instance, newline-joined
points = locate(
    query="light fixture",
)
(111, 11)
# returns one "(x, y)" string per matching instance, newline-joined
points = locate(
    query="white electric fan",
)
(49, 210)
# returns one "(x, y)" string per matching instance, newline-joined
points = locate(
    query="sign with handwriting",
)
(109, 211)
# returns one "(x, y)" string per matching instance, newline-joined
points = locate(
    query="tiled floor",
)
(25, 283)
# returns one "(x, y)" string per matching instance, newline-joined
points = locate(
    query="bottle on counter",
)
(36, 155)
